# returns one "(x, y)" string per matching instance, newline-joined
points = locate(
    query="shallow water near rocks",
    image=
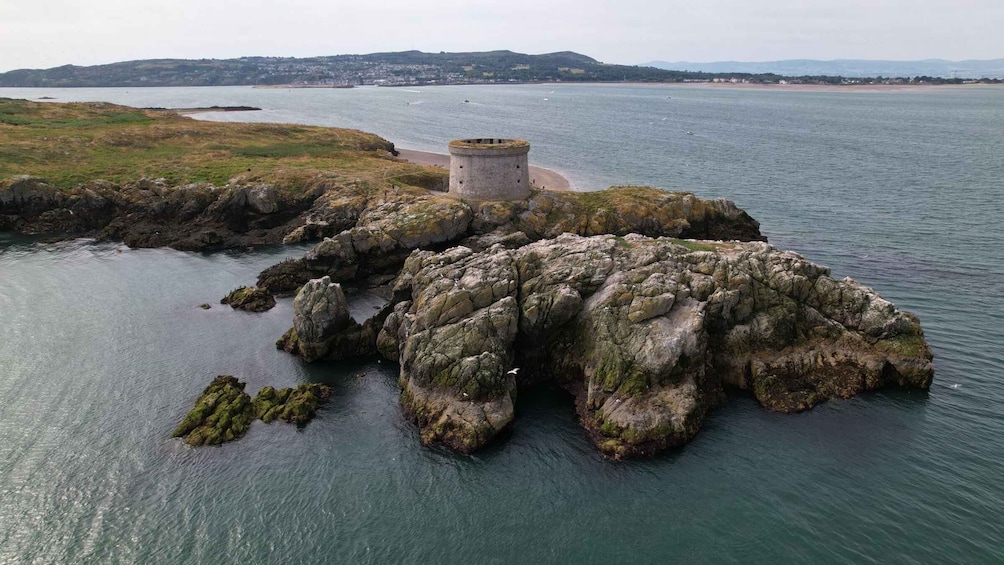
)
(103, 349)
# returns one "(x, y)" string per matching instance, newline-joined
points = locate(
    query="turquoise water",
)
(103, 349)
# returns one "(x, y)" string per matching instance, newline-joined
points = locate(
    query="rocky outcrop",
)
(645, 333)
(296, 406)
(154, 213)
(251, 299)
(224, 412)
(322, 327)
(320, 312)
(456, 347)
(383, 236)
(388, 229)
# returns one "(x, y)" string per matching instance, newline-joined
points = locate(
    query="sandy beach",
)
(539, 176)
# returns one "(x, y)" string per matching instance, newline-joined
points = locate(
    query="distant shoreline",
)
(540, 177)
(710, 85)
(829, 87)
(275, 86)
(727, 86)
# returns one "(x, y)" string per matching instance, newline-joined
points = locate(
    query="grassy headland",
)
(70, 144)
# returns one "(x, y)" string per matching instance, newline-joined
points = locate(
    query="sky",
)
(48, 33)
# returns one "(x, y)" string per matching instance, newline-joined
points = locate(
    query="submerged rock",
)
(296, 406)
(222, 413)
(249, 298)
(644, 332)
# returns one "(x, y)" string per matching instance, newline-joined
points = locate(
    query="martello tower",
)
(489, 169)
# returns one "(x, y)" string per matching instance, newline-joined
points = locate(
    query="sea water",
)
(103, 349)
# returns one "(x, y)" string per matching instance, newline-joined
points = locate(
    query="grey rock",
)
(320, 311)
(644, 332)
(263, 198)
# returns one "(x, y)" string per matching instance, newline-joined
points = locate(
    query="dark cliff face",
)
(150, 213)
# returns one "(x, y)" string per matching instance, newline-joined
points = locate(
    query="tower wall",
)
(489, 169)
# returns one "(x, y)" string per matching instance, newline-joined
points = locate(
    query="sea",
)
(103, 349)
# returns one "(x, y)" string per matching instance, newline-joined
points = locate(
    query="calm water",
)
(103, 349)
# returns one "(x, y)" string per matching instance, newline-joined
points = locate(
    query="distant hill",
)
(399, 68)
(972, 69)
(415, 68)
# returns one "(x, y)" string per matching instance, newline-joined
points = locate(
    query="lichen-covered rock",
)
(322, 327)
(249, 298)
(644, 332)
(296, 406)
(458, 348)
(621, 210)
(319, 312)
(222, 413)
(387, 230)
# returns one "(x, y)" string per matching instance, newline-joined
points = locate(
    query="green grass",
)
(695, 245)
(70, 144)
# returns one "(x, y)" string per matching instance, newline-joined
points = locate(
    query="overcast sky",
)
(47, 33)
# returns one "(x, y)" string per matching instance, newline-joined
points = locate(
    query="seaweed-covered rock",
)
(296, 406)
(222, 413)
(249, 298)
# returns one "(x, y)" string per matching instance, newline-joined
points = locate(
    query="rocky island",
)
(644, 304)
(644, 332)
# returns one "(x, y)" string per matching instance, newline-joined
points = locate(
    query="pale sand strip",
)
(828, 87)
(541, 177)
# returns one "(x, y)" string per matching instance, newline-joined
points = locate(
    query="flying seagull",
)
(513, 371)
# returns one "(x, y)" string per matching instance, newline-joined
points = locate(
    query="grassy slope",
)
(68, 144)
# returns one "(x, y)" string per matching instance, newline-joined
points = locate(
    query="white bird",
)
(956, 385)
(513, 371)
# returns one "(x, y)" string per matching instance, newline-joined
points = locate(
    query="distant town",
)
(408, 68)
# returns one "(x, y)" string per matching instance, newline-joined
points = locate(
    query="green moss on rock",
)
(297, 406)
(249, 298)
(222, 413)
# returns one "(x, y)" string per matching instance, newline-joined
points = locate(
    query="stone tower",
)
(489, 169)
